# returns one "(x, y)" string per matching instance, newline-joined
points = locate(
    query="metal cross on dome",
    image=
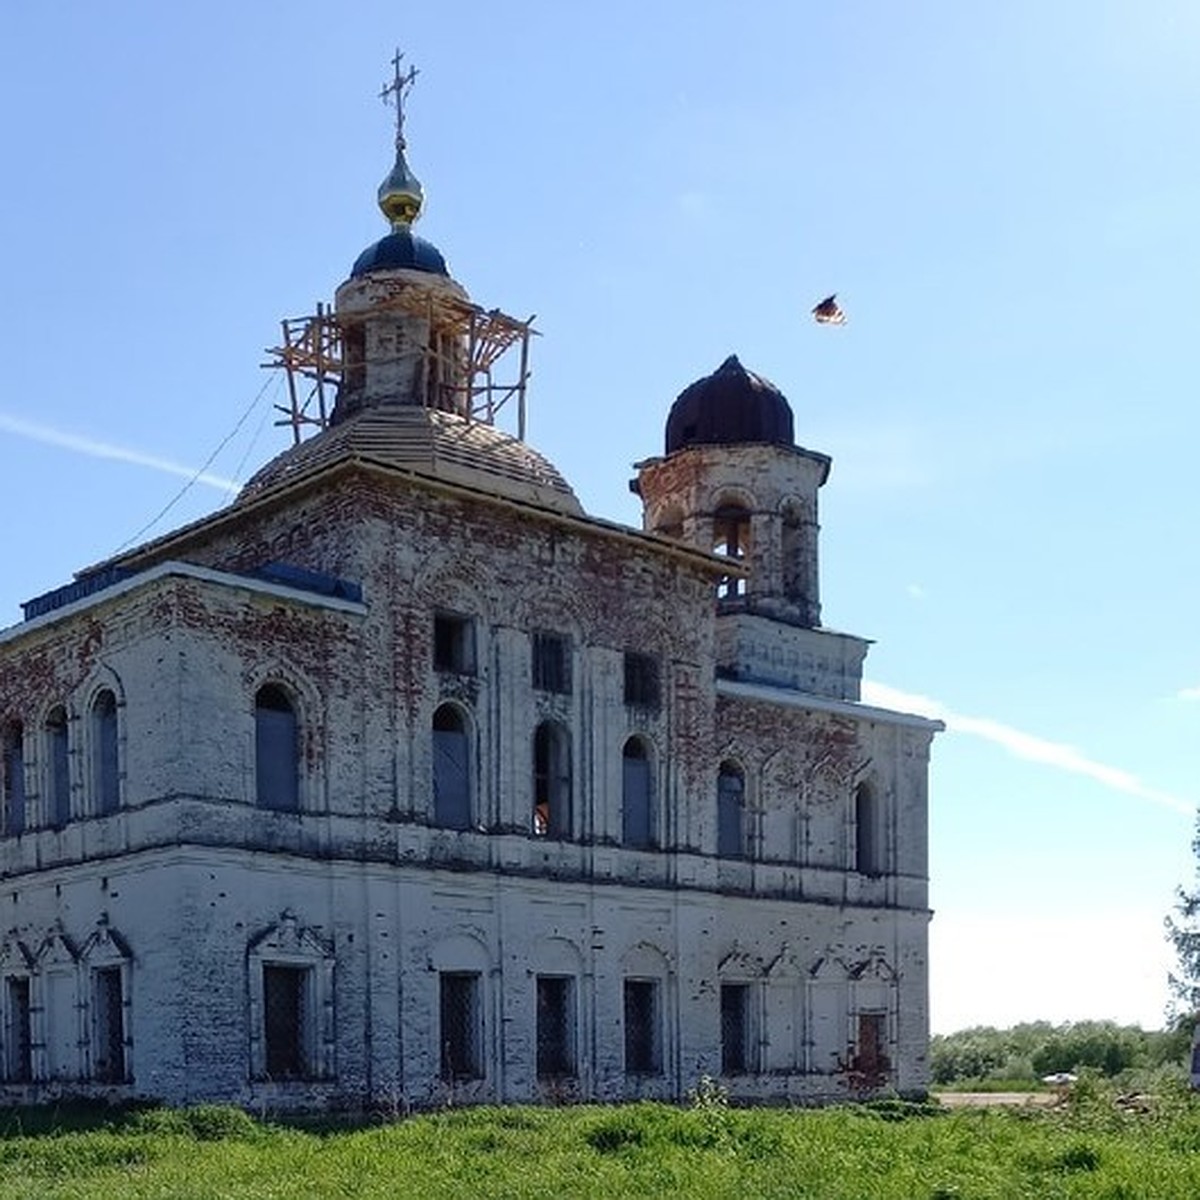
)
(400, 86)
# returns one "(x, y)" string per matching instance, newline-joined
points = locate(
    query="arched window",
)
(867, 857)
(731, 537)
(106, 766)
(451, 769)
(58, 778)
(276, 750)
(551, 781)
(12, 749)
(731, 806)
(637, 796)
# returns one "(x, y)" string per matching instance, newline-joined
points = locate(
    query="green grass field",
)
(1090, 1147)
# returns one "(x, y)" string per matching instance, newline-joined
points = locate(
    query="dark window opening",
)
(731, 537)
(642, 685)
(642, 1043)
(555, 1028)
(276, 750)
(551, 781)
(460, 1025)
(451, 769)
(285, 995)
(105, 754)
(735, 1028)
(731, 801)
(637, 797)
(866, 832)
(445, 383)
(59, 781)
(552, 663)
(18, 1038)
(453, 644)
(109, 1066)
(12, 765)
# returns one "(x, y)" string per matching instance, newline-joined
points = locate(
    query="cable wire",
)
(208, 462)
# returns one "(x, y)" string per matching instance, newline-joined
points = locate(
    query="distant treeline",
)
(1029, 1052)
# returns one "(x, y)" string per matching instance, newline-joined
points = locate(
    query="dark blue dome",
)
(730, 406)
(400, 250)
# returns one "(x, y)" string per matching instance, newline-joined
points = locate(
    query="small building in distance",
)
(403, 780)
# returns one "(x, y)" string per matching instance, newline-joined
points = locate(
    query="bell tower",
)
(734, 482)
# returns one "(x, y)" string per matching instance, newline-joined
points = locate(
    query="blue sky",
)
(1004, 198)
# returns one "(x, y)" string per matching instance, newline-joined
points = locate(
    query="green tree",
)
(1183, 931)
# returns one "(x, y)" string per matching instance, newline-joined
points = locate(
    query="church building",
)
(404, 781)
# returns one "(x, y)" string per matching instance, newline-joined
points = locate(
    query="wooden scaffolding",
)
(465, 353)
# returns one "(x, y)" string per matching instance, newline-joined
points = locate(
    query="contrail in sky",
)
(1024, 745)
(97, 449)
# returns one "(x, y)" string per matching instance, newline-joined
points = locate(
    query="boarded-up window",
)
(637, 799)
(871, 1044)
(276, 750)
(643, 1043)
(551, 781)
(555, 1027)
(827, 1017)
(735, 1028)
(867, 858)
(108, 1033)
(453, 644)
(642, 685)
(58, 988)
(18, 1064)
(58, 808)
(451, 769)
(106, 780)
(551, 663)
(285, 995)
(783, 1052)
(460, 1021)
(731, 803)
(12, 766)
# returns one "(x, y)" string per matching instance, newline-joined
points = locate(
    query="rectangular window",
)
(109, 1028)
(555, 1027)
(643, 1046)
(18, 1040)
(735, 1028)
(285, 1018)
(642, 689)
(551, 663)
(460, 1025)
(453, 644)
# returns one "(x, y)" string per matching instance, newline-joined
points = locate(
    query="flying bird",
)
(829, 312)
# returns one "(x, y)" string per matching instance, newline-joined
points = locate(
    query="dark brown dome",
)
(730, 406)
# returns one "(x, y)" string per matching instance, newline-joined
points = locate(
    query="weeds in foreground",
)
(1097, 1142)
